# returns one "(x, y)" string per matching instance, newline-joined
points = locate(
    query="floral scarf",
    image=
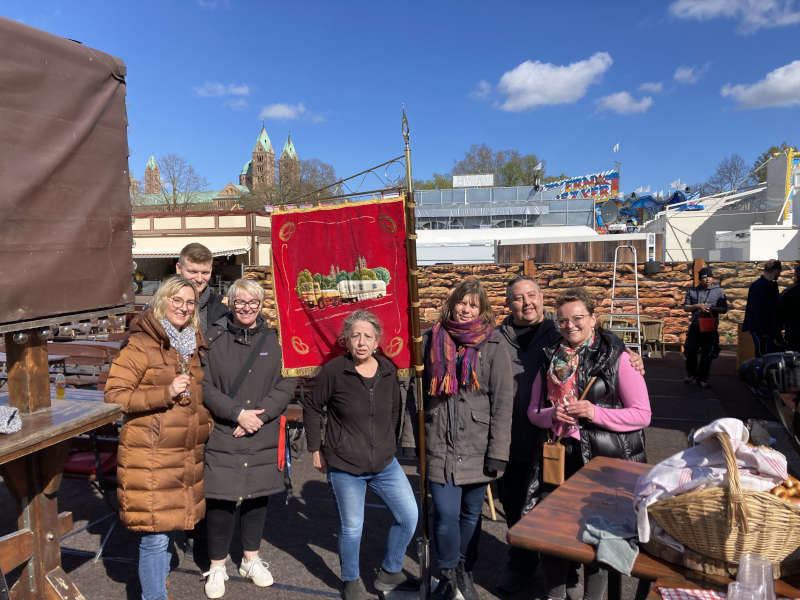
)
(563, 374)
(453, 356)
(184, 341)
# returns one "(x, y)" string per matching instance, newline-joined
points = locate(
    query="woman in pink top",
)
(610, 420)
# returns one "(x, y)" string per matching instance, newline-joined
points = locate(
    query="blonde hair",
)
(168, 288)
(248, 286)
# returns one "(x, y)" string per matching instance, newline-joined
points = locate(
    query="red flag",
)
(328, 261)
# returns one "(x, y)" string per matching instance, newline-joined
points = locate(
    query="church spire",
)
(263, 142)
(288, 149)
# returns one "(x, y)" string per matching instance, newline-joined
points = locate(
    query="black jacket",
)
(527, 357)
(761, 312)
(602, 359)
(362, 422)
(245, 467)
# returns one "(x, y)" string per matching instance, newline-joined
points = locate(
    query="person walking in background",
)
(610, 421)
(705, 302)
(789, 313)
(246, 394)
(761, 313)
(468, 401)
(195, 263)
(360, 396)
(157, 379)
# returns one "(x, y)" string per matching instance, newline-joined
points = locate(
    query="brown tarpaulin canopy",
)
(65, 215)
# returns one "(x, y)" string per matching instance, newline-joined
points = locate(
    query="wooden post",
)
(699, 263)
(529, 268)
(28, 373)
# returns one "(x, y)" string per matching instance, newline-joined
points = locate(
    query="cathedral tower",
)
(289, 168)
(152, 177)
(263, 163)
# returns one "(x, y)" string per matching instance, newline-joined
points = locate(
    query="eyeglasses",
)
(577, 320)
(252, 304)
(180, 303)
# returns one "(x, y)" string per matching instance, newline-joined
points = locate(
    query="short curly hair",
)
(575, 295)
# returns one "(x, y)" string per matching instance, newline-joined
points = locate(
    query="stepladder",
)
(625, 313)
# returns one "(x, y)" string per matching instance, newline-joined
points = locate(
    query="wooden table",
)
(605, 487)
(31, 462)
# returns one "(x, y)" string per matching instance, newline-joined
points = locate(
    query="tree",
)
(383, 274)
(509, 167)
(314, 174)
(764, 157)
(731, 173)
(180, 183)
(439, 181)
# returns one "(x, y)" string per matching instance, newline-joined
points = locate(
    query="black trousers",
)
(700, 349)
(511, 488)
(221, 520)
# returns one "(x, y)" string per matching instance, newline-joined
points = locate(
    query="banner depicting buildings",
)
(331, 260)
(598, 186)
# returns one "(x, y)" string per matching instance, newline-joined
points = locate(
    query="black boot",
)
(465, 584)
(387, 582)
(447, 587)
(353, 590)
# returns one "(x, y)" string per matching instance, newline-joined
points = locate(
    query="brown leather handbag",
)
(553, 453)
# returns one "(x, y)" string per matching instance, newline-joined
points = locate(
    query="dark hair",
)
(773, 265)
(196, 253)
(575, 295)
(516, 280)
(704, 272)
(468, 287)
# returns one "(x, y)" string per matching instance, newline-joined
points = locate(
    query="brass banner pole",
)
(423, 543)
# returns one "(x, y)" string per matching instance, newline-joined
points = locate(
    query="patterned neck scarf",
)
(453, 356)
(563, 373)
(184, 341)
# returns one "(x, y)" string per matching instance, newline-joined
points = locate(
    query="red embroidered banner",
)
(328, 261)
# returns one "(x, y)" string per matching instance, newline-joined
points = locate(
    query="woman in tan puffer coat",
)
(157, 379)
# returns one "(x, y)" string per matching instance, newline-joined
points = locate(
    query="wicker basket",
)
(725, 522)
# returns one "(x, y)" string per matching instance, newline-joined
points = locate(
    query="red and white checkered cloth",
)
(690, 594)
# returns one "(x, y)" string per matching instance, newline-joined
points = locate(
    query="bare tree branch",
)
(180, 183)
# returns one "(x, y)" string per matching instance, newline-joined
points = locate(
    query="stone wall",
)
(661, 294)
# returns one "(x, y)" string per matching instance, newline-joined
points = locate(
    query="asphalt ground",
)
(299, 540)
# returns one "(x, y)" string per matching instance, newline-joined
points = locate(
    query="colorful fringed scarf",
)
(453, 356)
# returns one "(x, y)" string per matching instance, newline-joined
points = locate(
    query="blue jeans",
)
(155, 552)
(391, 485)
(456, 523)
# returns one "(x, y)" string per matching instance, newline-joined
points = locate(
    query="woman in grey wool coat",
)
(241, 457)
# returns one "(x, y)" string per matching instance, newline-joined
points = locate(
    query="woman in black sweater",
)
(362, 397)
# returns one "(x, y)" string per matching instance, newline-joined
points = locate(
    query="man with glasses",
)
(194, 264)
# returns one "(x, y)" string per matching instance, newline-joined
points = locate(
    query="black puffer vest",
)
(601, 359)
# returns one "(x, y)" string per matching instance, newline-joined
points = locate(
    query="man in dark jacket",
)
(194, 263)
(705, 301)
(525, 332)
(761, 313)
(789, 313)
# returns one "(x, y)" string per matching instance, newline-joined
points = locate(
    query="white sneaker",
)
(215, 581)
(257, 571)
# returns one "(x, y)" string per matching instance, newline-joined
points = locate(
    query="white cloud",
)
(780, 87)
(689, 75)
(282, 111)
(751, 14)
(214, 89)
(624, 104)
(481, 91)
(533, 83)
(237, 104)
(654, 87)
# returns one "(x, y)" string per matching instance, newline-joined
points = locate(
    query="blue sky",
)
(678, 84)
